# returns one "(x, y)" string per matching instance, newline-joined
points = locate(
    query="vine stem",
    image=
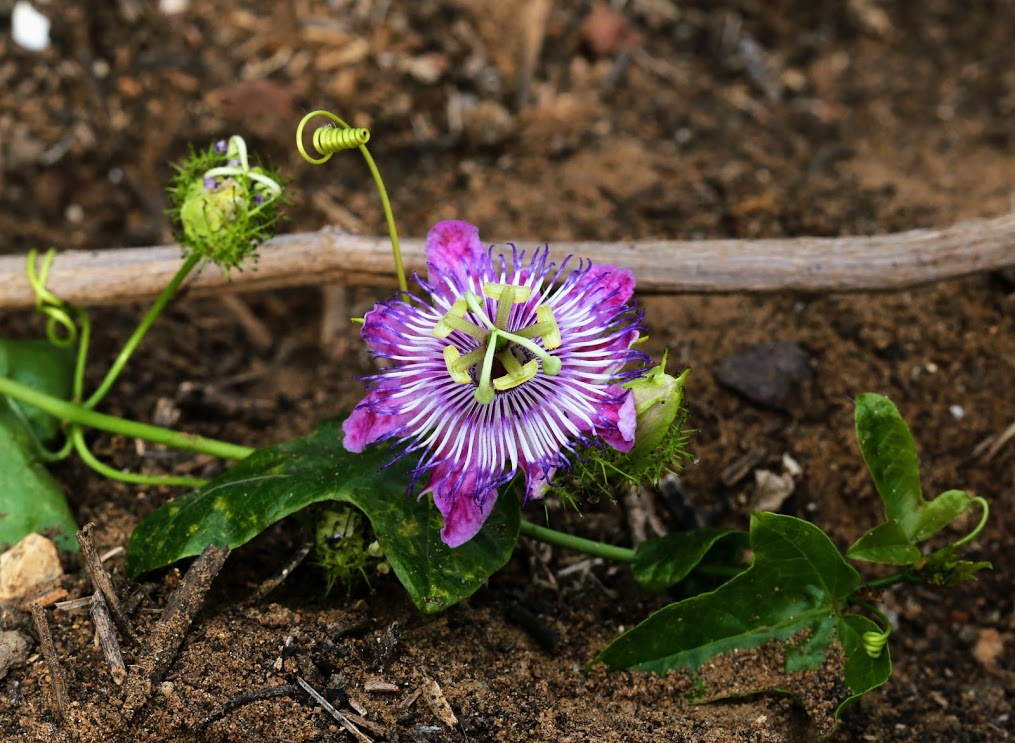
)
(193, 258)
(576, 544)
(389, 217)
(73, 413)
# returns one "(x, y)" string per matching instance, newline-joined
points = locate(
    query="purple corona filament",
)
(506, 369)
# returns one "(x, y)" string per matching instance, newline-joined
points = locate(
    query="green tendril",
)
(59, 315)
(979, 527)
(874, 642)
(327, 140)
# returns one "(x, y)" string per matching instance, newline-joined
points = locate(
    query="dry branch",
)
(329, 256)
(57, 676)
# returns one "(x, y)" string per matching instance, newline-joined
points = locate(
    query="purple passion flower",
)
(506, 369)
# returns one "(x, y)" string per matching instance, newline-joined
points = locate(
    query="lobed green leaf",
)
(664, 562)
(280, 480)
(792, 597)
(890, 453)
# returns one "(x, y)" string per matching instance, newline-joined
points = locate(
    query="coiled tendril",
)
(61, 318)
(331, 139)
(338, 136)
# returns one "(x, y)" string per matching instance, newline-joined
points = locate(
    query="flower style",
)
(505, 370)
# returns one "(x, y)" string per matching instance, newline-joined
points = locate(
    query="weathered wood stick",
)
(102, 582)
(57, 676)
(166, 638)
(662, 266)
(107, 638)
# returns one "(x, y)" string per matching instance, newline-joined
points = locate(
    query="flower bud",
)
(657, 399)
(224, 208)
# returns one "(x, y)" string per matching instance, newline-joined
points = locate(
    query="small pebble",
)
(29, 27)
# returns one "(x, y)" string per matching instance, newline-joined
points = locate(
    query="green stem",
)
(70, 412)
(888, 580)
(78, 439)
(576, 544)
(388, 216)
(160, 303)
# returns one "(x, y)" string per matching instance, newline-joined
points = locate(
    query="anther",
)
(455, 320)
(522, 373)
(519, 294)
(551, 338)
(451, 355)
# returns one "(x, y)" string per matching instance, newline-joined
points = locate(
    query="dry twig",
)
(665, 266)
(330, 709)
(276, 580)
(58, 678)
(102, 582)
(165, 640)
(107, 638)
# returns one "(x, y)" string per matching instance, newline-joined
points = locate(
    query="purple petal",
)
(608, 286)
(623, 417)
(365, 426)
(454, 254)
(464, 509)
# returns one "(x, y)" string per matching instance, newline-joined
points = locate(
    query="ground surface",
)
(702, 119)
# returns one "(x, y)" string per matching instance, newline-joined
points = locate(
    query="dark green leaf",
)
(45, 367)
(661, 563)
(862, 672)
(280, 480)
(792, 596)
(30, 499)
(885, 543)
(890, 453)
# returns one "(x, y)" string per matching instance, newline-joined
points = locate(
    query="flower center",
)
(518, 356)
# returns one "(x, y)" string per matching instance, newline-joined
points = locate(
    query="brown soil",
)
(702, 119)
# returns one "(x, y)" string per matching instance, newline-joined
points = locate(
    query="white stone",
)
(27, 565)
(29, 27)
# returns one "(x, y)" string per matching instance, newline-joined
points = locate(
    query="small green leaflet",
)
(890, 453)
(661, 563)
(793, 595)
(30, 499)
(280, 480)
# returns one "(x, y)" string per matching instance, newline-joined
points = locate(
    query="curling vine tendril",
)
(339, 136)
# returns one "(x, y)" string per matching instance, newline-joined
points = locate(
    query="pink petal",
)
(364, 426)
(535, 484)
(454, 494)
(606, 285)
(453, 251)
(623, 415)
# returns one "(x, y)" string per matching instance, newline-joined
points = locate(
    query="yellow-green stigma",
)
(496, 342)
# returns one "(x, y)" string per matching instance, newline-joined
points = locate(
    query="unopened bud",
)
(657, 399)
